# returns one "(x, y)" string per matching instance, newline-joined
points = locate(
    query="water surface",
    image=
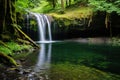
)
(80, 59)
(70, 61)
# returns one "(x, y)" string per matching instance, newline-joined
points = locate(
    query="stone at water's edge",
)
(7, 60)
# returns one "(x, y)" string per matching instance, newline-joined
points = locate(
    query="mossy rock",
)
(7, 60)
(79, 24)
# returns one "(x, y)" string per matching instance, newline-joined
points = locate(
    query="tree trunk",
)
(7, 17)
(2, 14)
(8, 30)
(62, 5)
(7, 60)
(25, 36)
(10, 16)
(69, 2)
(54, 3)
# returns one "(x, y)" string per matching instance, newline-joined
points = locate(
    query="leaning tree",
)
(9, 30)
(8, 25)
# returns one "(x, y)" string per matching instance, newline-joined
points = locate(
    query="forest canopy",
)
(45, 6)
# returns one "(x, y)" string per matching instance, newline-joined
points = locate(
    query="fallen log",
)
(7, 60)
(19, 40)
(2, 43)
(23, 34)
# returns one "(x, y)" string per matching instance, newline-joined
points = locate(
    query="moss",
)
(5, 50)
(74, 17)
(71, 24)
(77, 18)
(14, 47)
(69, 71)
(65, 22)
(74, 13)
(7, 60)
(33, 23)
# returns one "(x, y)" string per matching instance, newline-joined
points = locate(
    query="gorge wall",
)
(66, 28)
(87, 27)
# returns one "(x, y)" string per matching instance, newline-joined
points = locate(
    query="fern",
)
(105, 5)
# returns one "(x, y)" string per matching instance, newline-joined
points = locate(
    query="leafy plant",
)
(24, 5)
(21, 5)
(13, 47)
(105, 5)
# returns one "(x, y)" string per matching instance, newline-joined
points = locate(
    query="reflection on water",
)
(91, 40)
(70, 60)
(44, 57)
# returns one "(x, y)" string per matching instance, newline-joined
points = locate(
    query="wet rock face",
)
(65, 28)
(86, 27)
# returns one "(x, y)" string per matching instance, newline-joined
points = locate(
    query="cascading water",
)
(49, 27)
(44, 27)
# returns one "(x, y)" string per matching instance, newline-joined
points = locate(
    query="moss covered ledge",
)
(80, 16)
(8, 53)
(72, 23)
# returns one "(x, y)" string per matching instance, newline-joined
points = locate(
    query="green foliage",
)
(13, 47)
(33, 24)
(5, 50)
(33, 3)
(24, 5)
(43, 8)
(46, 6)
(21, 5)
(105, 5)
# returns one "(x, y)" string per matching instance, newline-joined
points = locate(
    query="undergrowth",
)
(13, 47)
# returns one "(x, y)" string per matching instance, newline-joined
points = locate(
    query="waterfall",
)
(44, 27)
(49, 27)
